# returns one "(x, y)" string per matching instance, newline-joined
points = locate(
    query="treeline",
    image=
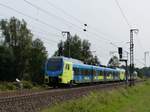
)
(143, 72)
(21, 56)
(79, 49)
(24, 58)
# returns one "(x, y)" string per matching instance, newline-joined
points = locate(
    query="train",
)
(68, 71)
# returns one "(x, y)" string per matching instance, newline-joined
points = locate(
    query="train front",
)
(53, 69)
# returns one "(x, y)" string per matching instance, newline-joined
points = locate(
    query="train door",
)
(67, 75)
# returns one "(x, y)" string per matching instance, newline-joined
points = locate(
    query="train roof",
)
(98, 67)
(84, 66)
(74, 61)
(120, 69)
(80, 64)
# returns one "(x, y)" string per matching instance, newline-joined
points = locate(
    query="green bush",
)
(7, 86)
(10, 86)
(27, 85)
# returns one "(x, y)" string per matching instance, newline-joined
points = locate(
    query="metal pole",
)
(132, 55)
(145, 59)
(126, 72)
(68, 38)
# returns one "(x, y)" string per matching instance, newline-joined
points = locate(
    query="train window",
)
(67, 67)
(82, 72)
(108, 74)
(90, 72)
(86, 72)
(76, 71)
(94, 72)
(100, 73)
(97, 72)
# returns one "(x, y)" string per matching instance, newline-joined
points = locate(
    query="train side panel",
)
(83, 73)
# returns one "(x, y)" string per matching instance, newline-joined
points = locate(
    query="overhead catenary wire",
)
(63, 11)
(33, 18)
(51, 14)
(25, 15)
(95, 33)
(123, 14)
(128, 52)
(66, 13)
(54, 15)
(47, 12)
(127, 22)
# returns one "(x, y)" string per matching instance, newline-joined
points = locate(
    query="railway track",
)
(33, 101)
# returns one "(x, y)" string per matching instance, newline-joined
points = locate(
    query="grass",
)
(135, 99)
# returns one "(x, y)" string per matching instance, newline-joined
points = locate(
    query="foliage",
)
(79, 49)
(135, 99)
(37, 60)
(19, 39)
(27, 85)
(6, 63)
(20, 56)
(114, 62)
(143, 72)
(6, 86)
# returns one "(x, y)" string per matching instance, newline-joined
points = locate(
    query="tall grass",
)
(134, 99)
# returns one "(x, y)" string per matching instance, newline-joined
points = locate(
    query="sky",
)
(106, 26)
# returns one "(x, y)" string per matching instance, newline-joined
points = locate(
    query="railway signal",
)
(120, 52)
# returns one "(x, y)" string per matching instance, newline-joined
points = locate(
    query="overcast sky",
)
(104, 19)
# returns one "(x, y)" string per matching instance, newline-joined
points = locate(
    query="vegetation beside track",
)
(13, 86)
(134, 99)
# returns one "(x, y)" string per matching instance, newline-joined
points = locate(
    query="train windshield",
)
(54, 64)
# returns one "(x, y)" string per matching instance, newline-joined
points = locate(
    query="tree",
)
(114, 62)
(20, 57)
(37, 61)
(6, 64)
(18, 38)
(79, 49)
